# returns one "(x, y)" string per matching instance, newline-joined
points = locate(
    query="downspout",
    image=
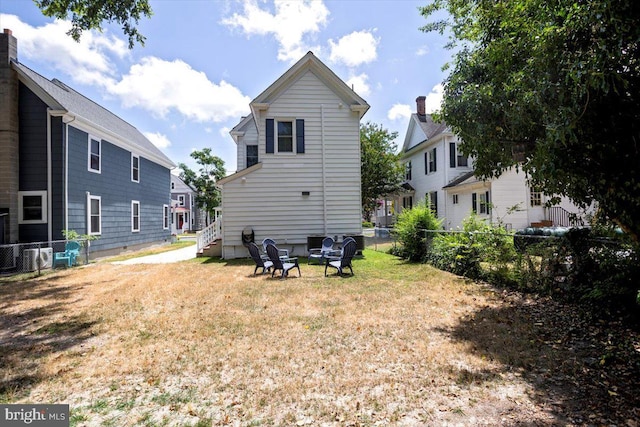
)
(49, 172)
(66, 173)
(324, 183)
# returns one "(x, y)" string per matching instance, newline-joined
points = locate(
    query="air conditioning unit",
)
(37, 258)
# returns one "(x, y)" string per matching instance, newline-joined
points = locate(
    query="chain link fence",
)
(38, 257)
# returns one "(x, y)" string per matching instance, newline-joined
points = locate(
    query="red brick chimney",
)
(420, 109)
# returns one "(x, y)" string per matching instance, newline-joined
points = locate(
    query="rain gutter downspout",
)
(324, 183)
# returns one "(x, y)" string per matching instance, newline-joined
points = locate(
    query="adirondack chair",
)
(283, 253)
(319, 254)
(266, 265)
(344, 261)
(70, 255)
(279, 263)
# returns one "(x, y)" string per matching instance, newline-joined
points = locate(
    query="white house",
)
(435, 169)
(298, 163)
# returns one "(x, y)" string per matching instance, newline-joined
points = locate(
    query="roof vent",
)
(60, 84)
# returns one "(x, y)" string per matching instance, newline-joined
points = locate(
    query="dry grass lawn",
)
(205, 343)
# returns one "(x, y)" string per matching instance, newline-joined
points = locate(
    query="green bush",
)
(478, 251)
(411, 231)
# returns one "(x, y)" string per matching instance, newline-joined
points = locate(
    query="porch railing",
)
(561, 217)
(209, 234)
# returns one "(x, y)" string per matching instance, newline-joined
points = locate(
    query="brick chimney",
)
(420, 109)
(9, 137)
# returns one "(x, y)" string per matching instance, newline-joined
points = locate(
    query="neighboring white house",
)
(435, 169)
(298, 163)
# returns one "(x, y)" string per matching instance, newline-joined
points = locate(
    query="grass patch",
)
(204, 342)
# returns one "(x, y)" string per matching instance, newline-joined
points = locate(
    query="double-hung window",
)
(456, 158)
(407, 171)
(485, 203)
(432, 160)
(135, 168)
(95, 154)
(94, 213)
(284, 136)
(135, 216)
(181, 200)
(32, 207)
(165, 217)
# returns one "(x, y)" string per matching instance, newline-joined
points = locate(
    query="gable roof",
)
(179, 186)
(427, 126)
(66, 101)
(240, 129)
(310, 62)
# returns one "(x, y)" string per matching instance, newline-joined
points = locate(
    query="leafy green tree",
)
(90, 15)
(552, 87)
(381, 173)
(204, 181)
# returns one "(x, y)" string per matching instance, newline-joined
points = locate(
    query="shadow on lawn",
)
(583, 371)
(28, 336)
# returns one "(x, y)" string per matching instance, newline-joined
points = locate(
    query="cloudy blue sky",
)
(205, 60)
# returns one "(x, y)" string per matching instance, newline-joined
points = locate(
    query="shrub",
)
(478, 251)
(411, 231)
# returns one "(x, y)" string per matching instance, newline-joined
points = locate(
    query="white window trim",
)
(133, 228)
(99, 170)
(43, 197)
(294, 144)
(133, 156)
(89, 199)
(181, 199)
(455, 199)
(166, 213)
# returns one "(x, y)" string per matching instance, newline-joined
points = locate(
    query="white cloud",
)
(359, 47)
(224, 131)
(157, 139)
(289, 24)
(87, 61)
(434, 99)
(422, 50)
(359, 84)
(161, 86)
(399, 112)
(154, 84)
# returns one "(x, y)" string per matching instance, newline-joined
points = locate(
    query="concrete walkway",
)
(177, 255)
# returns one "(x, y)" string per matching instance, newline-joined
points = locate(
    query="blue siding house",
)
(68, 163)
